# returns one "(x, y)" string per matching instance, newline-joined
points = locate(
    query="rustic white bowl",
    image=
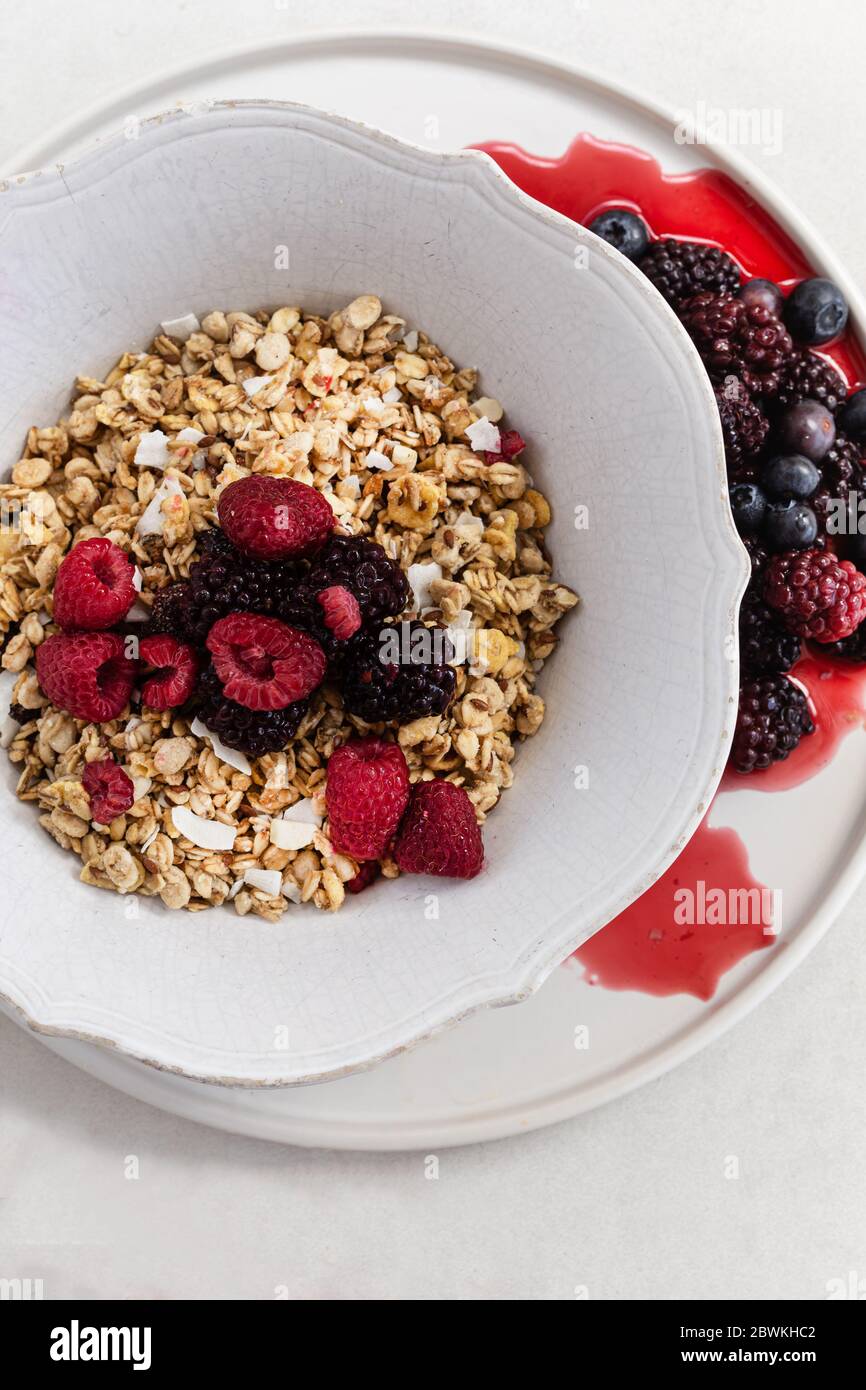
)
(196, 210)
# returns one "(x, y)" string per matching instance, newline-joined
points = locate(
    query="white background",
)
(632, 1201)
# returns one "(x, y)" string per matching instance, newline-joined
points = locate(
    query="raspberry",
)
(510, 445)
(738, 339)
(110, 789)
(173, 680)
(439, 834)
(744, 427)
(363, 878)
(366, 795)
(773, 716)
(86, 673)
(378, 689)
(263, 663)
(806, 376)
(275, 518)
(93, 588)
(767, 648)
(223, 581)
(341, 610)
(817, 595)
(364, 568)
(681, 269)
(252, 731)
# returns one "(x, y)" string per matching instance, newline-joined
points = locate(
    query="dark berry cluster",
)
(681, 269)
(378, 688)
(773, 716)
(224, 580)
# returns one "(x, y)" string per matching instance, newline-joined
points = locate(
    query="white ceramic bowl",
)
(187, 212)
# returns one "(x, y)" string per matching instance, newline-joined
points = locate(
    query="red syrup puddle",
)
(683, 933)
(645, 948)
(837, 699)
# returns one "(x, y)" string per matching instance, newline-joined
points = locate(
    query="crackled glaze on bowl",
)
(602, 380)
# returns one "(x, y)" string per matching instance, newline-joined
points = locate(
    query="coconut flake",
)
(254, 384)
(138, 613)
(189, 435)
(467, 521)
(483, 436)
(374, 406)
(206, 834)
(270, 881)
(152, 450)
(146, 844)
(351, 486)
(304, 811)
(232, 756)
(152, 520)
(376, 459)
(287, 834)
(235, 889)
(410, 340)
(292, 891)
(459, 633)
(420, 578)
(392, 396)
(8, 729)
(182, 327)
(137, 579)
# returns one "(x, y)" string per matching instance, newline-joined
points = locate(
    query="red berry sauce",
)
(644, 948)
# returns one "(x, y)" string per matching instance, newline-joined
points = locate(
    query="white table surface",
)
(632, 1201)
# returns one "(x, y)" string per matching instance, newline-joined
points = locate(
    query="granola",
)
(393, 434)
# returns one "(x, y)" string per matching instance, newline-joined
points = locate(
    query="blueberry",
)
(789, 475)
(807, 428)
(789, 525)
(816, 311)
(852, 418)
(622, 229)
(763, 294)
(748, 505)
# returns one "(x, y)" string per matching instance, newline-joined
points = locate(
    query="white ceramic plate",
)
(504, 1072)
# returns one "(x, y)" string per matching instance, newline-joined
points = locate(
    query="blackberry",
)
(759, 556)
(841, 474)
(744, 428)
(680, 269)
(367, 571)
(773, 716)
(379, 690)
(738, 339)
(806, 376)
(767, 648)
(223, 581)
(252, 731)
(851, 648)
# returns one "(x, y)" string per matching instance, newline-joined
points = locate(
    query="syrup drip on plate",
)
(646, 948)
